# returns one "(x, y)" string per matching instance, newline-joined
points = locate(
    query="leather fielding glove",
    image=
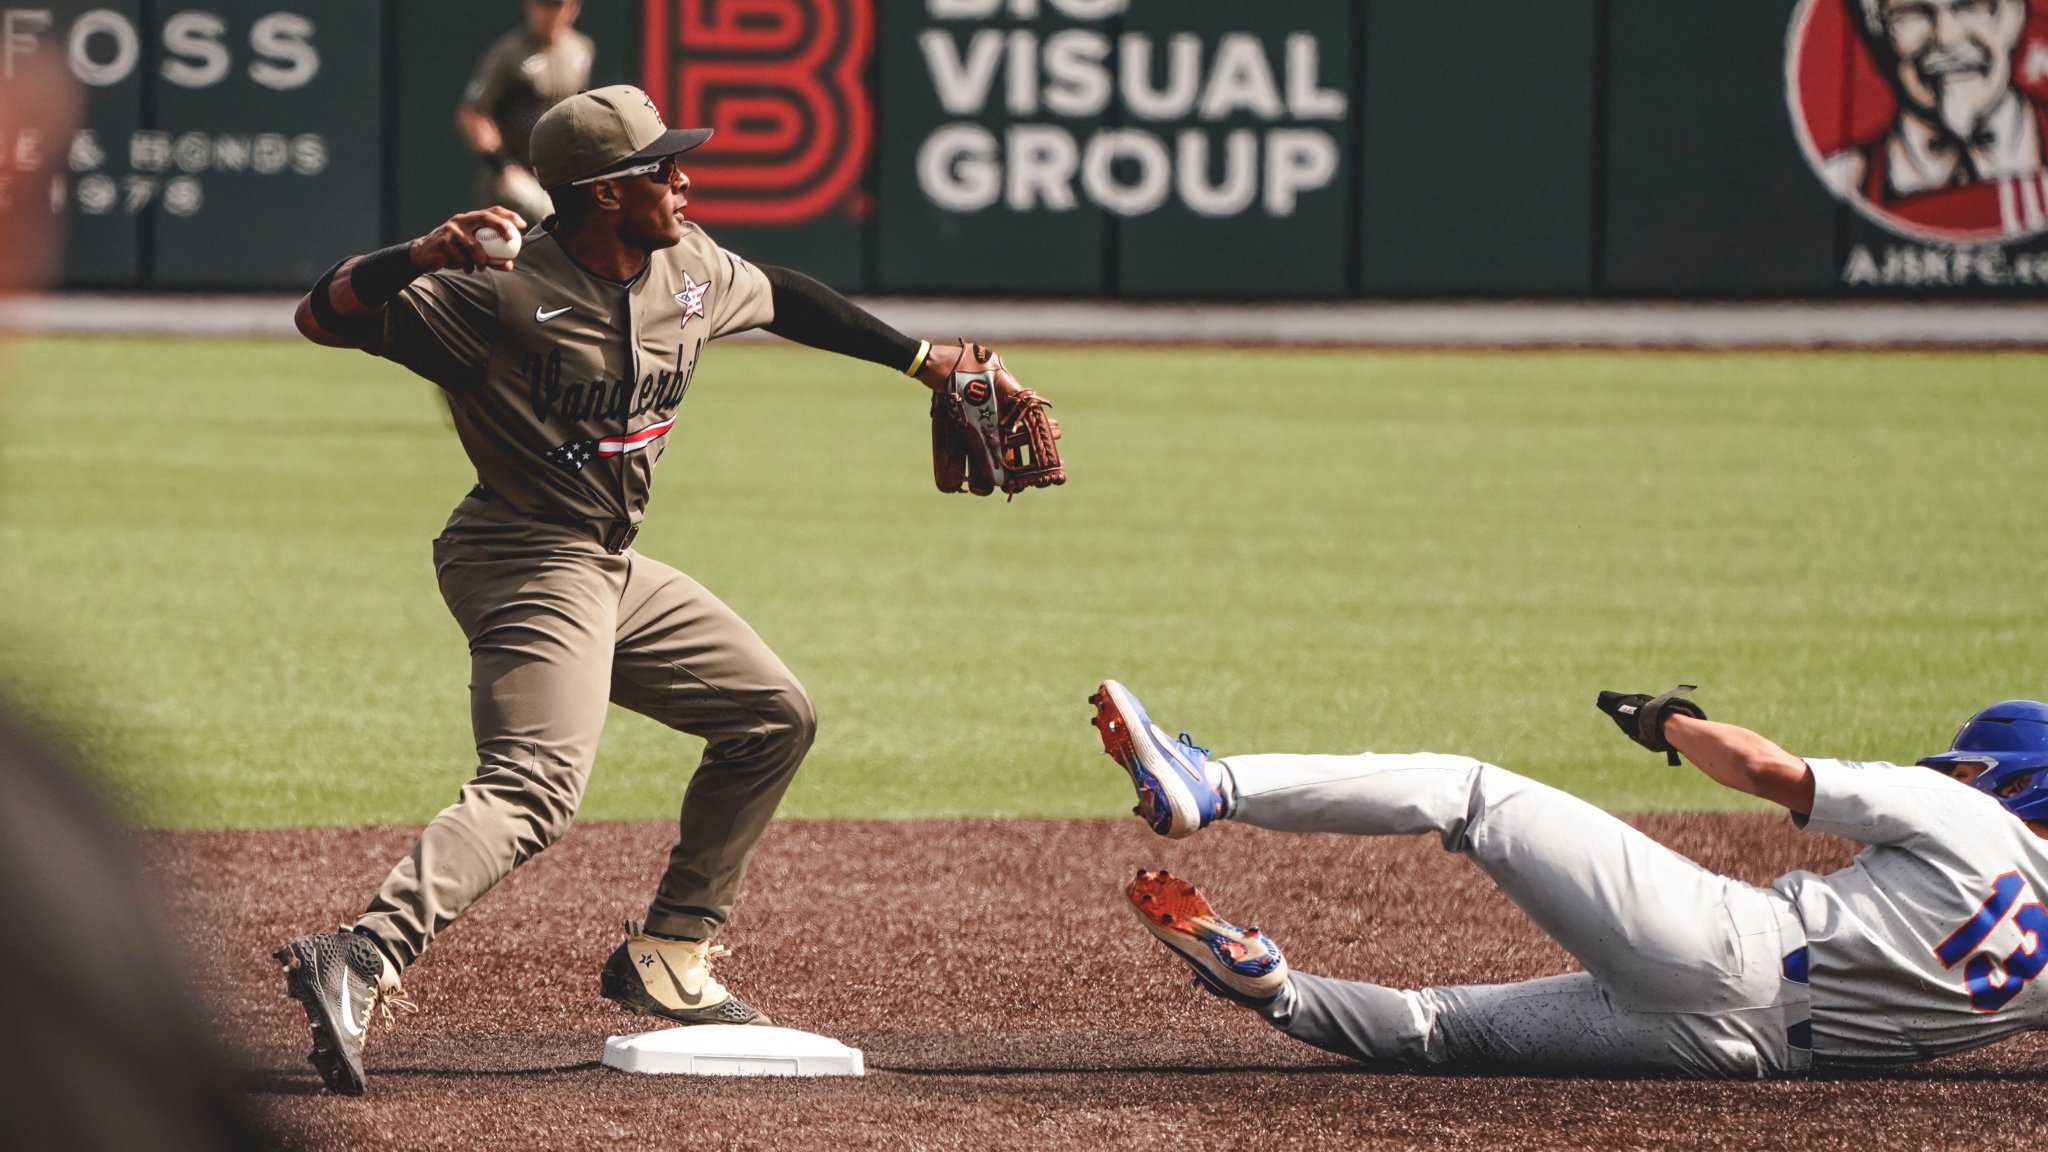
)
(990, 432)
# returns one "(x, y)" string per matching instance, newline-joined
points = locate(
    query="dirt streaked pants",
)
(1686, 970)
(558, 628)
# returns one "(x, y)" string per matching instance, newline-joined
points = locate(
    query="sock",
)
(389, 962)
(1281, 1011)
(1225, 784)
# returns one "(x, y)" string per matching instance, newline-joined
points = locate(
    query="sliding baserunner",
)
(1928, 943)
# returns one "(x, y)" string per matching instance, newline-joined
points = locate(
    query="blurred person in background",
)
(102, 1040)
(522, 74)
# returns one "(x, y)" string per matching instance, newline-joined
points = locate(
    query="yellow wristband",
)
(924, 350)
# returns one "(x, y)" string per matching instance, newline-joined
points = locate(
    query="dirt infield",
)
(1003, 995)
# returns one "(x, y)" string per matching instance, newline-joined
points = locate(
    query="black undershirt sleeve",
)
(812, 314)
(325, 314)
(382, 275)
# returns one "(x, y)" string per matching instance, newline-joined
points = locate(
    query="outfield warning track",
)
(1459, 324)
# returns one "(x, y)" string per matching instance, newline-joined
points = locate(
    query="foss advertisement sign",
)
(1175, 96)
(210, 134)
(103, 47)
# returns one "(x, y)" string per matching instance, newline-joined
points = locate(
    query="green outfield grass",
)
(217, 577)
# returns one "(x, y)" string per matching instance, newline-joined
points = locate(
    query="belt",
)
(614, 534)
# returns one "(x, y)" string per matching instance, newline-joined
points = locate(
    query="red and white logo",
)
(780, 83)
(1929, 117)
(691, 297)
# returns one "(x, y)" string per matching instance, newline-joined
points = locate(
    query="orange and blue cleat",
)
(1177, 792)
(1239, 964)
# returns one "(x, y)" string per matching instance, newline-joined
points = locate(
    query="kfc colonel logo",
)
(1929, 117)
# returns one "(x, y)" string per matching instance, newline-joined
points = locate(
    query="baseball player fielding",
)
(565, 361)
(1928, 943)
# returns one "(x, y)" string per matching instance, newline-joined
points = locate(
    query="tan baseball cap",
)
(603, 129)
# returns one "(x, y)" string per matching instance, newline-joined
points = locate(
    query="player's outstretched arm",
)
(809, 313)
(342, 308)
(988, 431)
(1738, 758)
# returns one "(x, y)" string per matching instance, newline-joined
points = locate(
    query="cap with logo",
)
(612, 127)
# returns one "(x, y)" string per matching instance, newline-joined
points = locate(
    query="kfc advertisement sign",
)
(1929, 118)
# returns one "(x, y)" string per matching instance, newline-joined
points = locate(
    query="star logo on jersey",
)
(573, 455)
(692, 297)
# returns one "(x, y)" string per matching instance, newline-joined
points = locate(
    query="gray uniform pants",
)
(1685, 970)
(558, 628)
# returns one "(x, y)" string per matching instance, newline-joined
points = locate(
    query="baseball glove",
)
(1641, 718)
(990, 432)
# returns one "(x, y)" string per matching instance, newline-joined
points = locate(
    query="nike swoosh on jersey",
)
(544, 316)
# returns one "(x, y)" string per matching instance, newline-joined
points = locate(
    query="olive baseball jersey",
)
(1930, 941)
(563, 384)
(517, 80)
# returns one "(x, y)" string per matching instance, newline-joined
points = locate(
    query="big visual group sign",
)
(1128, 145)
(1081, 145)
(1176, 99)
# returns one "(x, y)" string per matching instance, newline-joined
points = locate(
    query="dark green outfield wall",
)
(1470, 186)
(1201, 149)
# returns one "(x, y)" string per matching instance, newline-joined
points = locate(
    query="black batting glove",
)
(1641, 717)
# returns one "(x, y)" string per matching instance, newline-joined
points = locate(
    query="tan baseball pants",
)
(558, 628)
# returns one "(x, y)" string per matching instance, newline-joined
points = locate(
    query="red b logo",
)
(779, 82)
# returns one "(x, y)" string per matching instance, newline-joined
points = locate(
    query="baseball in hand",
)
(498, 245)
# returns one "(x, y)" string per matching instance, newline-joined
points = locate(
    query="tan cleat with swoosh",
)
(653, 976)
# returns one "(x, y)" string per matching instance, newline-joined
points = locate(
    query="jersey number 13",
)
(1992, 983)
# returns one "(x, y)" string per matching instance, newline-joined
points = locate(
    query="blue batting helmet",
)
(2011, 740)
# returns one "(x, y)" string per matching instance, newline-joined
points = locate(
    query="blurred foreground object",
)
(102, 1043)
(39, 104)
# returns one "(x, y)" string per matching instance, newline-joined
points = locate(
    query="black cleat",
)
(339, 978)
